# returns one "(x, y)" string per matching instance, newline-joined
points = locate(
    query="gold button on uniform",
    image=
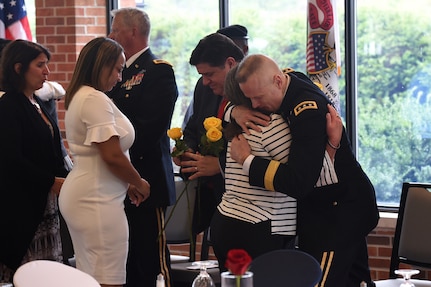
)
(126, 95)
(335, 203)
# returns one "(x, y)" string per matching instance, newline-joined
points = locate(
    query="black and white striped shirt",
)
(255, 204)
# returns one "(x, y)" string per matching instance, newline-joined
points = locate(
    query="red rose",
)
(237, 261)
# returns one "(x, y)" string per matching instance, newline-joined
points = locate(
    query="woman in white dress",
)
(99, 136)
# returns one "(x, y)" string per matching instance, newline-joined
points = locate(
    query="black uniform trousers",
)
(143, 234)
(229, 233)
(344, 266)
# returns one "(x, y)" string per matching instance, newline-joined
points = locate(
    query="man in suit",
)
(333, 220)
(213, 57)
(147, 96)
(239, 35)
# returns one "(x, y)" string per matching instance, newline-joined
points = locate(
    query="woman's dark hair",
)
(3, 43)
(233, 91)
(235, 96)
(21, 52)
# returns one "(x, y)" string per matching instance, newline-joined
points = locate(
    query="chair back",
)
(285, 267)
(413, 233)
(45, 273)
(179, 230)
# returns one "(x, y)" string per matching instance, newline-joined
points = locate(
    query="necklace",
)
(35, 104)
(46, 120)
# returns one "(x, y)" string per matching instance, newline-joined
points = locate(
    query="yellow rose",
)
(175, 133)
(214, 134)
(212, 122)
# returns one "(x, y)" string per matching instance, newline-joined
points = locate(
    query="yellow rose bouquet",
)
(212, 142)
(180, 145)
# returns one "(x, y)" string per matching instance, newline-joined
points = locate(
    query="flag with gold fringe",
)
(323, 48)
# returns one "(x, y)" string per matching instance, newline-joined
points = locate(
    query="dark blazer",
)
(147, 96)
(344, 210)
(205, 104)
(30, 158)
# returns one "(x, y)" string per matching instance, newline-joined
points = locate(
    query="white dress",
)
(92, 198)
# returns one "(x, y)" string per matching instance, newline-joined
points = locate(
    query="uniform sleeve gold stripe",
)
(270, 174)
(325, 265)
(162, 245)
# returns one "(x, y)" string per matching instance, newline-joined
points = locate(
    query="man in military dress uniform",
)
(146, 95)
(333, 220)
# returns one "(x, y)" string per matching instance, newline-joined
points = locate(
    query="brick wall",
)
(380, 243)
(65, 26)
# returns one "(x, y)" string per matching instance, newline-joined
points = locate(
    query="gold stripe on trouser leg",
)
(270, 174)
(325, 265)
(162, 246)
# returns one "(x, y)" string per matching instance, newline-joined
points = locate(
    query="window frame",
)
(350, 66)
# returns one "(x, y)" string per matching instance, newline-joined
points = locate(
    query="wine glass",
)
(407, 273)
(203, 279)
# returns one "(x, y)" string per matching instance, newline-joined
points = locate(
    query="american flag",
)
(317, 53)
(13, 20)
(323, 49)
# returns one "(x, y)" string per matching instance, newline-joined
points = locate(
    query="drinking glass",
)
(203, 279)
(407, 274)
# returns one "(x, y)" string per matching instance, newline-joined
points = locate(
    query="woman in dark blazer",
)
(31, 161)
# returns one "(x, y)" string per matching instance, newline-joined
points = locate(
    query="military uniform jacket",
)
(147, 96)
(346, 209)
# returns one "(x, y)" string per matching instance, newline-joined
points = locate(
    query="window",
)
(394, 108)
(176, 28)
(393, 100)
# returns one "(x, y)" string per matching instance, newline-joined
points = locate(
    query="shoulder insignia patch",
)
(288, 70)
(319, 85)
(160, 61)
(306, 105)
